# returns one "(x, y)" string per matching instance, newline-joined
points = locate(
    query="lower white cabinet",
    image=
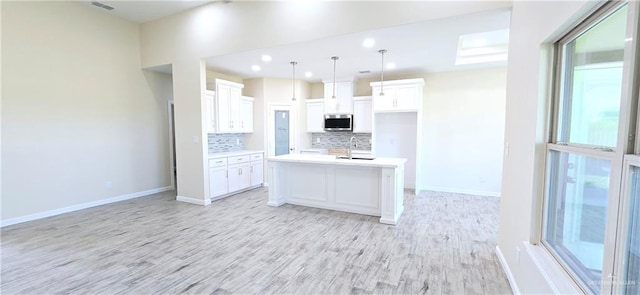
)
(229, 175)
(239, 176)
(257, 175)
(218, 177)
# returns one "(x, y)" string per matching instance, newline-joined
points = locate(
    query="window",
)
(592, 119)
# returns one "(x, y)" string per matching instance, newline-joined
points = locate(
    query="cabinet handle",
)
(240, 159)
(218, 161)
(251, 169)
(240, 171)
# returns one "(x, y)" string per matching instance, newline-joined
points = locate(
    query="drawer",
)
(217, 162)
(256, 157)
(239, 159)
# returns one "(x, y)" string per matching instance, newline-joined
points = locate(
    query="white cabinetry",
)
(399, 95)
(246, 114)
(362, 114)
(239, 176)
(228, 101)
(217, 177)
(315, 115)
(257, 169)
(210, 111)
(233, 174)
(343, 103)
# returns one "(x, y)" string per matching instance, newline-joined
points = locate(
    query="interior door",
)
(281, 122)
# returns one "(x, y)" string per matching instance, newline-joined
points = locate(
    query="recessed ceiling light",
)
(391, 65)
(368, 43)
(255, 68)
(308, 74)
(266, 58)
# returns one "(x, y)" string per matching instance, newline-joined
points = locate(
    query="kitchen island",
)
(372, 187)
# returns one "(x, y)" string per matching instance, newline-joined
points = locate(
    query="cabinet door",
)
(223, 99)
(344, 97)
(210, 112)
(239, 177)
(246, 115)
(407, 97)
(257, 173)
(217, 181)
(362, 116)
(234, 109)
(343, 103)
(386, 102)
(315, 117)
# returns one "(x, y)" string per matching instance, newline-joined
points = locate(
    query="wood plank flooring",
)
(443, 244)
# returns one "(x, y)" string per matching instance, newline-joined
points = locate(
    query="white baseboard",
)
(507, 271)
(202, 202)
(461, 191)
(54, 212)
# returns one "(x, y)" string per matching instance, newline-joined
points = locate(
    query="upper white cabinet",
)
(399, 95)
(233, 112)
(343, 103)
(315, 115)
(362, 114)
(228, 106)
(246, 114)
(210, 111)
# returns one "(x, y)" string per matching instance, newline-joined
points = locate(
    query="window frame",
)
(624, 215)
(628, 130)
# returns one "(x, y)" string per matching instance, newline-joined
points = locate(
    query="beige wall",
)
(77, 110)
(463, 131)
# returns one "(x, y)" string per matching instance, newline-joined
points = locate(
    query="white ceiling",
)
(422, 47)
(143, 11)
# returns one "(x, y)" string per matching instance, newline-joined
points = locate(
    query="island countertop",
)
(332, 160)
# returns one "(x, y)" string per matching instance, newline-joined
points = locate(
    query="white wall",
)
(463, 114)
(463, 131)
(77, 109)
(534, 25)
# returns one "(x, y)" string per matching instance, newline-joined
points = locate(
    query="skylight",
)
(483, 47)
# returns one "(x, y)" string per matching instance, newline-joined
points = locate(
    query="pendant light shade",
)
(293, 79)
(334, 58)
(382, 52)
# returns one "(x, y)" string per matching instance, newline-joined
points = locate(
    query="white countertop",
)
(234, 153)
(331, 160)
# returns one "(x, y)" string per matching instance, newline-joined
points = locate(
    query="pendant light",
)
(382, 52)
(293, 79)
(335, 58)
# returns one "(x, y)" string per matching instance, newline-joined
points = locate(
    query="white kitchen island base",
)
(371, 187)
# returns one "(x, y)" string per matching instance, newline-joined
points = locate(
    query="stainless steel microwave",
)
(338, 122)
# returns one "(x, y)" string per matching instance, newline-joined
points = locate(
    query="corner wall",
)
(77, 110)
(534, 26)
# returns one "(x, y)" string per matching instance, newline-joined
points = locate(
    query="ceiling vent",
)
(104, 6)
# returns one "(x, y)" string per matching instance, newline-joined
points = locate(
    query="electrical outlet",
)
(318, 140)
(108, 184)
(237, 140)
(196, 139)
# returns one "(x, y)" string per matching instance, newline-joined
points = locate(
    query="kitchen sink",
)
(354, 158)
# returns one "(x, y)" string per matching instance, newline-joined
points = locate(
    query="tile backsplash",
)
(340, 139)
(219, 143)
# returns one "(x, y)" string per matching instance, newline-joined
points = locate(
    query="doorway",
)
(282, 126)
(172, 147)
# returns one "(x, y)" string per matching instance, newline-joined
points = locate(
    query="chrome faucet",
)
(351, 144)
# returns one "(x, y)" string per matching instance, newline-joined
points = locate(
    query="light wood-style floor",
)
(444, 244)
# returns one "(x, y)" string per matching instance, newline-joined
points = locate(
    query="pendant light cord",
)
(382, 52)
(335, 58)
(293, 79)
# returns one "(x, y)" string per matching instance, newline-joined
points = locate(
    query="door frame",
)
(271, 149)
(171, 122)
